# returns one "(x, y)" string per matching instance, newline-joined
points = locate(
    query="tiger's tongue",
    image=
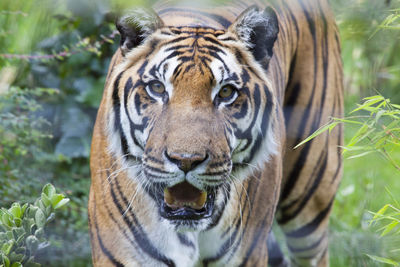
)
(184, 195)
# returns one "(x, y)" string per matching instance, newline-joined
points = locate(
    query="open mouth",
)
(186, 202)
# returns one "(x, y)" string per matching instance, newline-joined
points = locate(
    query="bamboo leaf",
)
(357, 135)
(396, 106)
(383, 260)
(348, 121)
(381, 211)
(374, 97)
(368, 103)
(322, 129)
(389, 228)
(361, 155)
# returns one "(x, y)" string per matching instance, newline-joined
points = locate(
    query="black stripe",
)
(117, 116)
(243, 110)
(264, 126)
(136, 228)
(105, 251)
(148, 157)
(255, 241)
(247, 134)
(120, 227)
(310, 227)
(219, 213)
(227, 246)
(146, 166)
(323, 158)
(142, 68)
(213, 173)
(185, 241)
(177, 47)
(311, 247)
(137, 104)
(133, 126)
(293, 17)
(325, 62)
(298, 166)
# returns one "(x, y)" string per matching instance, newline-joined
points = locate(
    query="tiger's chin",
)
(187, 207)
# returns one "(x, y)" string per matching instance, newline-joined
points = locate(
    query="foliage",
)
(369, 50)
(45, 133)
(21, 137)
(22, 228)
(388, 218)
(378, 131)
(375, 129)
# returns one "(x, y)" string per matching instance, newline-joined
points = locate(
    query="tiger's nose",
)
(186, 162)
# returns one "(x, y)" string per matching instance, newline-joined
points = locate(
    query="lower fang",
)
(168, 198)
(201, 201)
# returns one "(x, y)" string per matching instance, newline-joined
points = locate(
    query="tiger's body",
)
(198, 104)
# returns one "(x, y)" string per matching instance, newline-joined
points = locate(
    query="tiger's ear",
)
(137, 26)
(258, 30)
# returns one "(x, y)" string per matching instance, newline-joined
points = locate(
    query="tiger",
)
(192, 156)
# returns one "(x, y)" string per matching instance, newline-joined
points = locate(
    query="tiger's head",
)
(191, 111)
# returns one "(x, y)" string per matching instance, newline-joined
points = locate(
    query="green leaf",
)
(379, 114)
(45, 199)
(17, 222)
(383, 260)
(32, 243)
(16, 210)
(7, 247)
(6, 219)
(381, 211)
(361, 155)
(20, 239)
(374, 97)
(31, 264)
(389, 228)
(55, 199)
(23, 208)
(322, 129)
(39, 233)
(10, 235)
(41, 205)
(368, 103)
(6, 261)
(40, 219)
(16, 264)
(61, 203)
(49, 190)
(348, 121)
(361, 132)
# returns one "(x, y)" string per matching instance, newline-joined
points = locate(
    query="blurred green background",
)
(47, 115)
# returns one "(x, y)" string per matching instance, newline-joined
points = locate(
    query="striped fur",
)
(283, 95)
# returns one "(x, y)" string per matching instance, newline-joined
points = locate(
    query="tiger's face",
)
(191, 114)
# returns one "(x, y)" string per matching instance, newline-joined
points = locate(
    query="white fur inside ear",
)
(245, 24)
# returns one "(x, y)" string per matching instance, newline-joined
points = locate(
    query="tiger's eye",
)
(157, 87)
(226, 92)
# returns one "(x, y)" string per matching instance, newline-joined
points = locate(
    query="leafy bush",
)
(22, 135)
(22, 228)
